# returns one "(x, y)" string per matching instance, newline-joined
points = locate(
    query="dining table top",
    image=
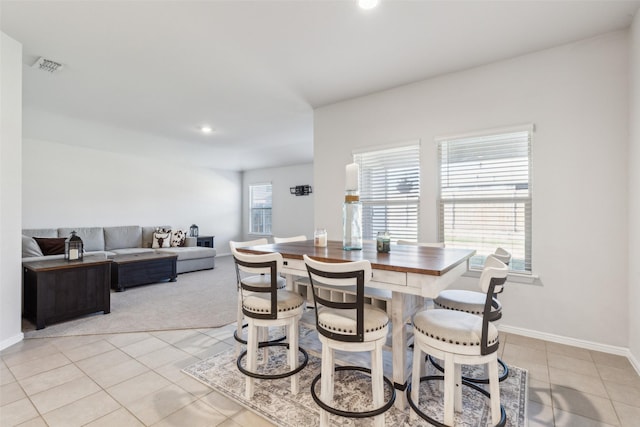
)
(427, 260)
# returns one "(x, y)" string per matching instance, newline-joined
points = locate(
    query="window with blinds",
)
(485, 195)
(390, 191)
(260, 209)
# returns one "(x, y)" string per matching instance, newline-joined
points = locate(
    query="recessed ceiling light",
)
(206, 129)
(368, 4)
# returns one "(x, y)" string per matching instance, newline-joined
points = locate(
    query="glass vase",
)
(352, 222)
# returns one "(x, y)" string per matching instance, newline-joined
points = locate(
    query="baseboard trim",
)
(589, 345)
(11, 341)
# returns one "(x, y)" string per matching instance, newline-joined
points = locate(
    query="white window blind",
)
(260, 209)
(390, 191)
(485, 195)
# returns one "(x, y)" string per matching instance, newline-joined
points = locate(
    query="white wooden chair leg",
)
(440, 383)
(494, 386)
(326, 383)
(252, 354)
(449, 389)
(377, 382)
(239, 320)
(416, 369)
(458, 390)
(324, 418)
(293, 354)
(264, 336)
(326, 393)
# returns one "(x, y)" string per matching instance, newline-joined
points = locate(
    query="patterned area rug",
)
(273, 400)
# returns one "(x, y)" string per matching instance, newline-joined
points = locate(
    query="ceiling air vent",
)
(45, 64)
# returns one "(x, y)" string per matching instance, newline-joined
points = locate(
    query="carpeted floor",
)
(273, 399)
(201, 299)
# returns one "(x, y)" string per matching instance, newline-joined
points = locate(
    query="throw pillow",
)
(178, 238)
(51, 245)
(161, 239)
(30, 247)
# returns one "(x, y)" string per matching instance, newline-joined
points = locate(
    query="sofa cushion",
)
(178, 238)
(128, 236)
(42, 258)
(161, 239)
(147, 234)
(92, 237)
(193, 252)
(30, 247)
(51, 245)
(40, 232)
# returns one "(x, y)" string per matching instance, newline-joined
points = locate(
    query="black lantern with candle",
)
(73, 248)
(193, 230)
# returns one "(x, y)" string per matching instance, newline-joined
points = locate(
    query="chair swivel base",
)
(243, 341)
(414, 406)
(272, 376)
(505, 372)
(353, 414)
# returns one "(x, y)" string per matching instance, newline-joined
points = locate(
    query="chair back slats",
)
(493, 267)
(234, 245)
(494, 275)
(503, 255)
(267, 264)
(299, 238)
(342, 274)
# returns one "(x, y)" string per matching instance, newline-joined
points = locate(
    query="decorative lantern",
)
(193, 230)
(73, 248)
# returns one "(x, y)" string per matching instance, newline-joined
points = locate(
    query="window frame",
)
(370, 202)
(523, 264)
(263, 232)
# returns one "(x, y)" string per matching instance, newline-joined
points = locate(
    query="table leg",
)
(398, 346)
(291, 282)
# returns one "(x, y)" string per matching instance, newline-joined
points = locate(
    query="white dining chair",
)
(263, 280)
(473, 302)
(459, 338)
(265, 307)
(349, 326)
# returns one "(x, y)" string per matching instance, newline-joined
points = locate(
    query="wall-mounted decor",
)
(301, 190)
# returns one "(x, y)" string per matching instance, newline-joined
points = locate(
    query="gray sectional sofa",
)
(119, 240)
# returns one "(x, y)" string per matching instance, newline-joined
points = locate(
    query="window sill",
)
(511, 277)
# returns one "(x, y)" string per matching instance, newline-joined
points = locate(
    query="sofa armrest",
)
(191, 241)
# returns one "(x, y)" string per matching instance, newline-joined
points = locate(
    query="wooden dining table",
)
(409, 273)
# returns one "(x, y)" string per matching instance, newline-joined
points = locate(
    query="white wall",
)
(634, 192)
(65, 185)
(577, 97)
(10, 177)
(291, 215)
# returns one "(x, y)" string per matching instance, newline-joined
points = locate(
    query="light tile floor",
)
(134, 379)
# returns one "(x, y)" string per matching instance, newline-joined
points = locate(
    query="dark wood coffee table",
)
(56, 290)
(141, 269)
